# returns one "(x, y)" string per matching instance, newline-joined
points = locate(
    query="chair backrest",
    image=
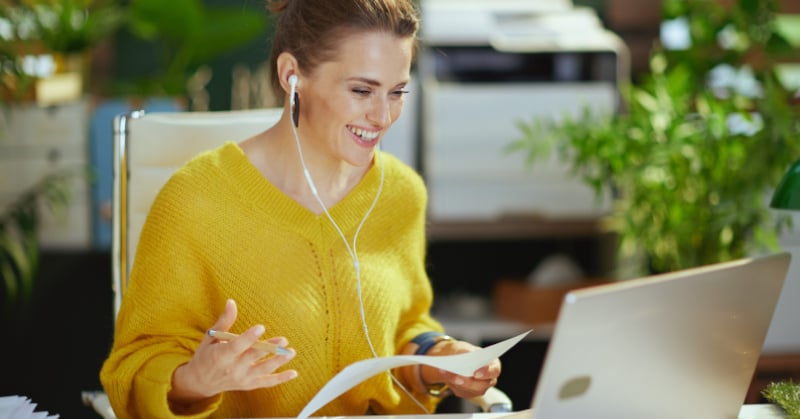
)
(148, 148)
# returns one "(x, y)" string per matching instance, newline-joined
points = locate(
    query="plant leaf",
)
(226, 29)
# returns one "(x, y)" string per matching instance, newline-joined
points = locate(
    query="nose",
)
(380, 112)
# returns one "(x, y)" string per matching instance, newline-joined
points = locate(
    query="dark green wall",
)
(134, 58)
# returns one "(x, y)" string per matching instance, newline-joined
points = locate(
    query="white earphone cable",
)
(350, 249)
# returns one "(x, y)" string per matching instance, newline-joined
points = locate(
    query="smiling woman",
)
(306, 232)
(348, 104)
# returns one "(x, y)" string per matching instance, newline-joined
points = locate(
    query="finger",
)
(224, 321)
(253, 355)
(255, 352)
(228, 317)
(245, 341)
(492, 370)
(249, 376)
(271, 380)
(279, 340)
(470, 388)
(268, 365)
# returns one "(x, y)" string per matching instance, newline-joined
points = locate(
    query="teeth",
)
(367, 135)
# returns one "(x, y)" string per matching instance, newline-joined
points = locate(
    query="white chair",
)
(148, 148)
(163, 143)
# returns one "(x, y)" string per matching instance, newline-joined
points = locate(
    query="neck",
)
(333, 178)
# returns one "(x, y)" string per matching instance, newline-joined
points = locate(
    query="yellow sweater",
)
(218, 230)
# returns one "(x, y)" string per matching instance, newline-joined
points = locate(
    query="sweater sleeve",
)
(166, 309)
(418, 319)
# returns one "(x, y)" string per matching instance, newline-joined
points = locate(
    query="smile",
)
(363, 134)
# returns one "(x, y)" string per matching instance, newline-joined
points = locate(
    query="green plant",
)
(785, 394)
(19, 242)
(63, 30)
(187, 34)
(744, 33)
(15, 83)
(690, 161)
(66, 26)
(73, 26)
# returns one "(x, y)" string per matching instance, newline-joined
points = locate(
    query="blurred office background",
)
(504, 234)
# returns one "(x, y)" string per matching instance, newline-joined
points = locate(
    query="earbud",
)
(293, 86)
(295, 106)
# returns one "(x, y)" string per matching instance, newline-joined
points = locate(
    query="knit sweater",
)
(218, 229)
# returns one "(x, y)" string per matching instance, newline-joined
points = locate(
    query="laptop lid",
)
(682, 344)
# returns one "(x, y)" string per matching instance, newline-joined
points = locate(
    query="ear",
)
(286, 66)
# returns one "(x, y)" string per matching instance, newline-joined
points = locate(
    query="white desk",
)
(750, 411)
(762, 411)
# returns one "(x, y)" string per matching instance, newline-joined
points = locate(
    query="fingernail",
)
(479, 375)
(458, 381)
(259, 329)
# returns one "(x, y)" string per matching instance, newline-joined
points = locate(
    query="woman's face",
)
(347, 104)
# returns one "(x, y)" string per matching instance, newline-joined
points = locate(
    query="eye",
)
(399, 93)
(361, 92)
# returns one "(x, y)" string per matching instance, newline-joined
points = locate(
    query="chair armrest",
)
(98, 400)
(494, 400)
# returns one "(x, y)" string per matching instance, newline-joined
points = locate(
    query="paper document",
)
(462, 364)
(20, 407)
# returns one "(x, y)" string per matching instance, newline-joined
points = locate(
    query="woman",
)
(305, 232)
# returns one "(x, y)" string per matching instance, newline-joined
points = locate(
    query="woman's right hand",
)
(232, 365)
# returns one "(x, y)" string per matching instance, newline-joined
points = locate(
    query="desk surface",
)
(750, 411)
(762, 411)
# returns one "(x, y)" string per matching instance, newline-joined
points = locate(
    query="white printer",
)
(484, 66)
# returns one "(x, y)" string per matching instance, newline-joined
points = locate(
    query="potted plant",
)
(75, 26)
(64, 31)
(785, 394)
(19, 243)
(701, 141)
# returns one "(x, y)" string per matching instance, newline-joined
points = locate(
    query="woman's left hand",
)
(462, 386)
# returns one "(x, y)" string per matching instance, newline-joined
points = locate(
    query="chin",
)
(363, 158)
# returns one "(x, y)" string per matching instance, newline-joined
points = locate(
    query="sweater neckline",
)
(276, 204)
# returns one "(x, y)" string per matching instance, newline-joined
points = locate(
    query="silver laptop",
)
(678, 345)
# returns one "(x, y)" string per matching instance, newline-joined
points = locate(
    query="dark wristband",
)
(425, 341)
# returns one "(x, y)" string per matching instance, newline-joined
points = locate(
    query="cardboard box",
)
(515, 300)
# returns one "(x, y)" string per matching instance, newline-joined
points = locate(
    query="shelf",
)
(772, 368)
(516, 227)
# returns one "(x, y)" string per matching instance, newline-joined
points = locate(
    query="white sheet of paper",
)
(19, 407)
(462, 364)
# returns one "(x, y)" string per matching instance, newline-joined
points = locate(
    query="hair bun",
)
(277, 6)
